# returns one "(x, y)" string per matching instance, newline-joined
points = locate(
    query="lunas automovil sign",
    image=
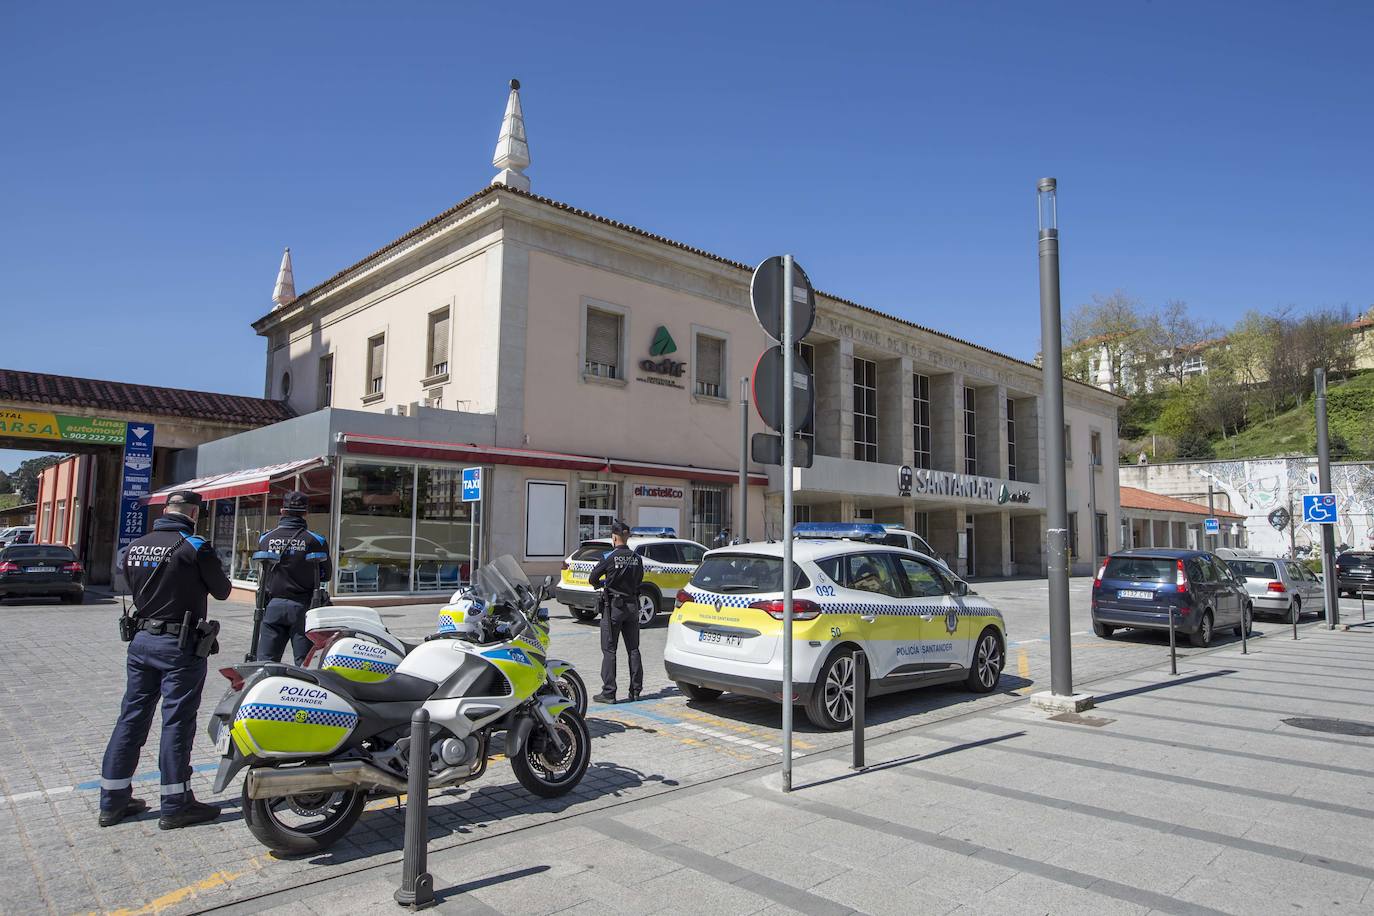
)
(925, 482)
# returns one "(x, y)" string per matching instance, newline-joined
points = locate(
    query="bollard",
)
(1173, 645)
(1295, 621)
(417, 885)
(1244, 631)
(860, 680)
(1362, 604)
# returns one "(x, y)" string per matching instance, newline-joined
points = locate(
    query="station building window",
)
(602, 348)
(1011, 439)
(865, 409)
(808, 353)
(710, 367)
(920, 415)
(970, 431)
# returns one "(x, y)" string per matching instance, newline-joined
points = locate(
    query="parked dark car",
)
(41, 570)
(1140, 588)
(1355, 572)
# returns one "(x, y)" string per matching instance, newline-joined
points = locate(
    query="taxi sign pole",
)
(742, 526)
(1329, 589)
(788, 403)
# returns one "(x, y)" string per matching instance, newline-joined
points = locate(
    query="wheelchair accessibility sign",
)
(1320, 509)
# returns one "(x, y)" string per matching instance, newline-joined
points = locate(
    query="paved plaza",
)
(1163, 798)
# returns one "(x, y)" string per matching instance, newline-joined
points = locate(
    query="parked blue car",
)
(1141, 588)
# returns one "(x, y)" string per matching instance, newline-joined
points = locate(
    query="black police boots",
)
(196, 812)
(604, 697)
(131, 808)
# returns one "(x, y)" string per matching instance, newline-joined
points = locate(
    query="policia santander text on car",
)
(170, 571)
(619, 574)
(300, 563)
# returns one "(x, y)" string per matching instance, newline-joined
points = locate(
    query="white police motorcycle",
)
(314, 743)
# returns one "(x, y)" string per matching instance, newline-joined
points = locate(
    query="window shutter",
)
(710, 356)
(603, 338)
(378, 358)
(438, 340)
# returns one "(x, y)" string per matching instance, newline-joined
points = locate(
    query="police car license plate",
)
(40, 569)
(222, 745)
(578, 577)
(719, 639)
(1136, 593)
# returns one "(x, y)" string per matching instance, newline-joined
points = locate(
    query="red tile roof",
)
(606, 221)
(40, 388)
(1134, 498)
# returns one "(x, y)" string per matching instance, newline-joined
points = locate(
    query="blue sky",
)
(157, 159)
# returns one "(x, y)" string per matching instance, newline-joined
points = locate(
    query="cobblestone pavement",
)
(64, 679)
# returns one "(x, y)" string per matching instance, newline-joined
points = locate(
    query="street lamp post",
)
(1061, 695)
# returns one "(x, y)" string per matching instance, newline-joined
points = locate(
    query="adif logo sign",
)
(661, 346)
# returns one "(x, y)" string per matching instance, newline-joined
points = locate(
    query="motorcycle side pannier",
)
(282, 716)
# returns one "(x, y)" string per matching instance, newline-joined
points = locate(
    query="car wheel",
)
(697, 692)
(1203, 637)
(1297, 609)
(1247, 621)
(584, 614)
(831, 705)
(1102, 630)
(988, 660)
(648, 607)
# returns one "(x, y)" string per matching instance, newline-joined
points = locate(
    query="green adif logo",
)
(663, 343)
(1003, 495)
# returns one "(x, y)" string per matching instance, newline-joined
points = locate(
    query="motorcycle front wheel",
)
(296, 825)
(547, 773)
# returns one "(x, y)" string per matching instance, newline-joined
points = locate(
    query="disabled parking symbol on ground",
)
(1320, 508)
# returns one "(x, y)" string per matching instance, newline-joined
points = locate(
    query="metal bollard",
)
(1173, 646)
(1244, 631)
(417, 884)
(1295, 621)
(1362, 604)
(860, 680)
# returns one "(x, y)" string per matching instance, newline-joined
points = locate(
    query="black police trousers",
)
(158, 668)
(620, 619)
(283, 620)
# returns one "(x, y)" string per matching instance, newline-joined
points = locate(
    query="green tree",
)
(25, 477)
(1111, 329)
(6, 484)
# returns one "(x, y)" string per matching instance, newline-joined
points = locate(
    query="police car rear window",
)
(591, 552)
(37, 552)
(745, 575)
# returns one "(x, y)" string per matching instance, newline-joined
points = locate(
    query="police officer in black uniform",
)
(292, 583)
(619, 574)
(169, 571)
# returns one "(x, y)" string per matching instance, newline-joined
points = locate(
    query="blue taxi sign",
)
(853, 531)
(472, 485)
(1212, 525)
(653, 532)
(1320, 509)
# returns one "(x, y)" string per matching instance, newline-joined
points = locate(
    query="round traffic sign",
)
(766, 296)
(768, 391)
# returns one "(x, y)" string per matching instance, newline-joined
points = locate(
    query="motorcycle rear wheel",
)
(551, 777)
(297, 825)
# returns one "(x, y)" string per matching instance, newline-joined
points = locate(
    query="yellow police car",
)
(916, 623)
(669, 562)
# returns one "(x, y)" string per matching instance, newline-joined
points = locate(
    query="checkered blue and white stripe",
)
(850, 607)
(271, 712)
(361, 664)
(582, 567)
(678, 569)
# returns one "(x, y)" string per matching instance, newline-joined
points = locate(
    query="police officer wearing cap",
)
(619, 573)
(170, 571)
(291, 584)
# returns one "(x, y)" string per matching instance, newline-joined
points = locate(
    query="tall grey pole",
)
(1056, 495)
(742, 526)
(1329, 586)
(788, 431)
(1211, 513)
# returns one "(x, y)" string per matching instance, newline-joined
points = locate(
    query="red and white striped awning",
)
(238, 483)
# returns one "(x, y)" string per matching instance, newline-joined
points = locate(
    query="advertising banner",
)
(38, 424)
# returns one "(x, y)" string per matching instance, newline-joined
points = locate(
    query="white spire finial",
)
(284, 293)
(512, 151)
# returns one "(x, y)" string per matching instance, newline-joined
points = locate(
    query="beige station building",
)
(593, 370)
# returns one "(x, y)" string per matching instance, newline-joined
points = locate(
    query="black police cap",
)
(620, 529)
(184, 498)
(295, 501)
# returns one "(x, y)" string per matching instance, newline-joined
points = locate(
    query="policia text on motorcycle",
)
(293, 582)
(619, 574)
(170, 571)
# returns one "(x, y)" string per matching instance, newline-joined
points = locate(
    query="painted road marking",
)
(94, 784)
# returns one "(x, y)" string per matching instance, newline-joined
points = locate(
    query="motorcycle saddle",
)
(399, 688)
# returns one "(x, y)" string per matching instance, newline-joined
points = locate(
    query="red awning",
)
(522, 457)
(238, 483)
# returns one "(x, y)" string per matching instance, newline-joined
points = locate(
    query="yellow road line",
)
(755, 733)
(182, 894)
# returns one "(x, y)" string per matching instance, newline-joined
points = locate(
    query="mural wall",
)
(1257, 488)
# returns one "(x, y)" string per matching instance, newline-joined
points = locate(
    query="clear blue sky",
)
(157, 159)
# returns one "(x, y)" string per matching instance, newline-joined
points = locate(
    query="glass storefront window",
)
(376, 516)
(443, 523)
(248, 529)
(221, 535)
(710, 510)
(595, 509)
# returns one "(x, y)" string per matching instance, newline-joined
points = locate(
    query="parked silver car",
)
(1282, 588)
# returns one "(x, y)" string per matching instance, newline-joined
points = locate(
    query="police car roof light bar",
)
(853, 531)
(653, 532)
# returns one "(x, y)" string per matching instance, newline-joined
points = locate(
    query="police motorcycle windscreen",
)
(285, 717)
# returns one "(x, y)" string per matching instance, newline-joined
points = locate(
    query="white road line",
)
(37, 793)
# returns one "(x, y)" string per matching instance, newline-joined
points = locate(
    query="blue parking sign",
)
(472, 485)
(1212, 525)
(1320, 509)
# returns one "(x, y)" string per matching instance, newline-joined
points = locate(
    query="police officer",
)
(292, 583)
(722, 539)
(169, 571)
(621, 571)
